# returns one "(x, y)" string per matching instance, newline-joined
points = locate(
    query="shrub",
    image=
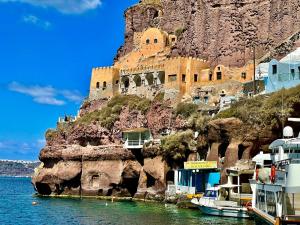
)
(198, 121)
(109, 114)
(159, 97)
(266, 110)
(116, 109)
(186, 109)
(179, 31)
(177, 146)
(51, 134)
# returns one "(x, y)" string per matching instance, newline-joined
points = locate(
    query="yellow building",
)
(148, 69)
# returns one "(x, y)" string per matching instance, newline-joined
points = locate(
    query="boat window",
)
(268, 163)
(211, 194)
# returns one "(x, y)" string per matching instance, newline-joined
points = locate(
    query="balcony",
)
(136, 138)
(134, 144)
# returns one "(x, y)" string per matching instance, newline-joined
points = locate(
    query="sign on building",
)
(190, 165)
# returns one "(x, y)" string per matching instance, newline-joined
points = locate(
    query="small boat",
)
(215, 202)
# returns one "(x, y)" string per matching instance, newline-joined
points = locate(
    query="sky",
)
(47, 51)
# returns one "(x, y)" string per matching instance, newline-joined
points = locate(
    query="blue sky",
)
(47, 51)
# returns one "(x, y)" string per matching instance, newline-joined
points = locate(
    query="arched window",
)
(148, 41)
(97, 85)
(155, 41)
(104, 85)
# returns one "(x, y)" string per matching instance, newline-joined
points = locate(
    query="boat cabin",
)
(136, 138)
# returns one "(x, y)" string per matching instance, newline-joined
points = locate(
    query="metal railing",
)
(134, 142)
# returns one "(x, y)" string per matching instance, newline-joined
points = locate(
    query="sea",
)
(17, 195)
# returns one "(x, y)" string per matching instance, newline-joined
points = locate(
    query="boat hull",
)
(225, 212)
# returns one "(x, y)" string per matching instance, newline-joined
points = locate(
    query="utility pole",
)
(254, 72)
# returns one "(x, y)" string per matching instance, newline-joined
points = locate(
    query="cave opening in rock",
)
(50, 163)
(170, 177)
(131, 184)
(150, 180)
(222, 149)
(73, 183)
(43, 189)
(138, 155)
(241, 149)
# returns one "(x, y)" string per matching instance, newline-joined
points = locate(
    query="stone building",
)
(149, 69)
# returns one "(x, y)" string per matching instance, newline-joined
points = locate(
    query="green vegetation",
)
(176, 147)
(266, 111)
(179, 31)
(109, 114)
(198, 122)
(186, 109)
(159, 97)
(51, 134)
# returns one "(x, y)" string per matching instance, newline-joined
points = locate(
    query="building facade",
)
(149, 69)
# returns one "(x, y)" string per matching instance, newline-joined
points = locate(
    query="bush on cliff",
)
(186, 109)
(51, 134)
(109, 114)
(198, 122)
(176, 147)
(266, 110)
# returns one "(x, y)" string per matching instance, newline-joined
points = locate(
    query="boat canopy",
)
(293, 143)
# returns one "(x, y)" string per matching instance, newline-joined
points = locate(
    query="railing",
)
(286, 162)
(67, 119)
(134, 142)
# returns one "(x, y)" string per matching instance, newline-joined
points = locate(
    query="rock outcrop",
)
(222, 31)
(88, 159)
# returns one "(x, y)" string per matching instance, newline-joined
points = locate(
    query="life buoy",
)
(273, 173)
(249, 206)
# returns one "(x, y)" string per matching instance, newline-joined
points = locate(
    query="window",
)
(210, 76)
(244, 75)
(172, 77)
(219, 75)
(195, 77)
(155, 41)
(97, 85)
(148, 41)
(219, 68)
(104, 85)
(117, 81)
(183, 78)
(206, 99)
(293, 73)
(274, 69)
(173, 39)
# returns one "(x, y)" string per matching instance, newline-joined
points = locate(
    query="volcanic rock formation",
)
(222, 31)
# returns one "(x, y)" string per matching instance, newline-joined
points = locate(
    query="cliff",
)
(222, 31)
(86, 157)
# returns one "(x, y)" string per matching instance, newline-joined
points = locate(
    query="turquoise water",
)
(16, 209)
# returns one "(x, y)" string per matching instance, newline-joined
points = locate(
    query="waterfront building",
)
(195, 177)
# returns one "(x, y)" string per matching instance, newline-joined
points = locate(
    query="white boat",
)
(215, 201)
(276, 182)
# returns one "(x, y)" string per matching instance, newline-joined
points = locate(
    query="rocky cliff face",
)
(87, 158)
(222, 31)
